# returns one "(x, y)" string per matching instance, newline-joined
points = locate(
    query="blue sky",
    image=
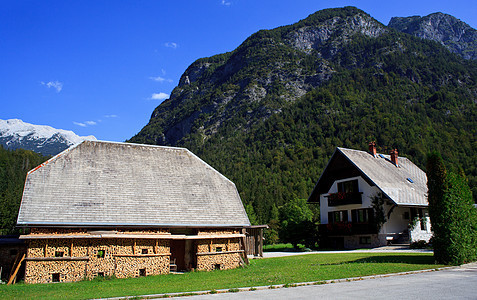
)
(101, 67)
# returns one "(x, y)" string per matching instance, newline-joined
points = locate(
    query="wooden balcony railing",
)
(342, 198)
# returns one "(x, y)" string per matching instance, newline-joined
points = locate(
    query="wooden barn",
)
(127, 210)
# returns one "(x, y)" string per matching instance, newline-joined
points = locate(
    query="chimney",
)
(394, 157)
(372, 148)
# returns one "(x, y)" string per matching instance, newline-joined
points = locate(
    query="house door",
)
(178, 253)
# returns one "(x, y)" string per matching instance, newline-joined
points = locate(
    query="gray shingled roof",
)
(99, 183)
(391, 180)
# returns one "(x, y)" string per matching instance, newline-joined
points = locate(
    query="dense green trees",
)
(452, 213)
(14, 166)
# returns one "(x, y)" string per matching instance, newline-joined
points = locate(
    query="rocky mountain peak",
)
(451, 32)
(339, 28)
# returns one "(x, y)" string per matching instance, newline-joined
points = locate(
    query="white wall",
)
(367, 190)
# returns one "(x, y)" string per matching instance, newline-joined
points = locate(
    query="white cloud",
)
(159, 96)
(58, 86)
(171, 45)
(160, 79)
(226, 3)
(111, 116)
(86, 123)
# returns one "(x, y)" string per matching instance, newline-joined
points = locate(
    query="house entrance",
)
(178, 254)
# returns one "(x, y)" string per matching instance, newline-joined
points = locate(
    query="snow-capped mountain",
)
(15, 133)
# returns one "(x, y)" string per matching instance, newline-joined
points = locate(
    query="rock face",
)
(42, 139)
(451, 32)
(270, 69)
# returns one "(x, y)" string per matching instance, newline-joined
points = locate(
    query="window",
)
(218, 249)
(350, 186)
(365, 240)
(55, 277)
(361, 215)
(142, 272)
(337, 216)
(101, 253)
(59, 253)
(144, 251)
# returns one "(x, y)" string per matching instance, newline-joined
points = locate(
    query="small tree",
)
(461, 220)
(377, 203)
(271, 234)
(452, 214)
(297, 223)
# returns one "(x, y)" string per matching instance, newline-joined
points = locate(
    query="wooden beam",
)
(13, 276)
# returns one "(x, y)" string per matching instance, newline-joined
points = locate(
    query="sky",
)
(101, 67)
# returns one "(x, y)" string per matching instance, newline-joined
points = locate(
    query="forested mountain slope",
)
(269, 114)
(14, 165)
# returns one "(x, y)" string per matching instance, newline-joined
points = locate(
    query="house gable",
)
(405, 184)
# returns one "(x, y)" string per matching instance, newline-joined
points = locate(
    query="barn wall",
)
(82, 260)
(218, 254)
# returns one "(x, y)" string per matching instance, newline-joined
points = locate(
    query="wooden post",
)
(46, 247)
(18, 263)
(134, 247)
(261, 243)
(156, 250)
(71, 248)
(245, 257)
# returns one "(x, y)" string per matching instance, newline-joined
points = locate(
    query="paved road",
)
(459, 283)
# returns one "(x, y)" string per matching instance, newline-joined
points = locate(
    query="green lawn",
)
(301, 268)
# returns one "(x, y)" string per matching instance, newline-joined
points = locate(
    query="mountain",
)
(445, 29)
(269, 114)
(15, 133)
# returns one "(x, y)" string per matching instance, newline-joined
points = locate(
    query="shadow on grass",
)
(394, 259)
(284, 248)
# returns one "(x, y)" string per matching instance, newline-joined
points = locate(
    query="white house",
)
(352, 181)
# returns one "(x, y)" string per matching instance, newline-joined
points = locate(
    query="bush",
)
(419, 245)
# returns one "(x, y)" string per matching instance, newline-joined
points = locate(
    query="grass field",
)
(260, 272)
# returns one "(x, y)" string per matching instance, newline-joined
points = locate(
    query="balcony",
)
(342, 198)
(347, 228)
